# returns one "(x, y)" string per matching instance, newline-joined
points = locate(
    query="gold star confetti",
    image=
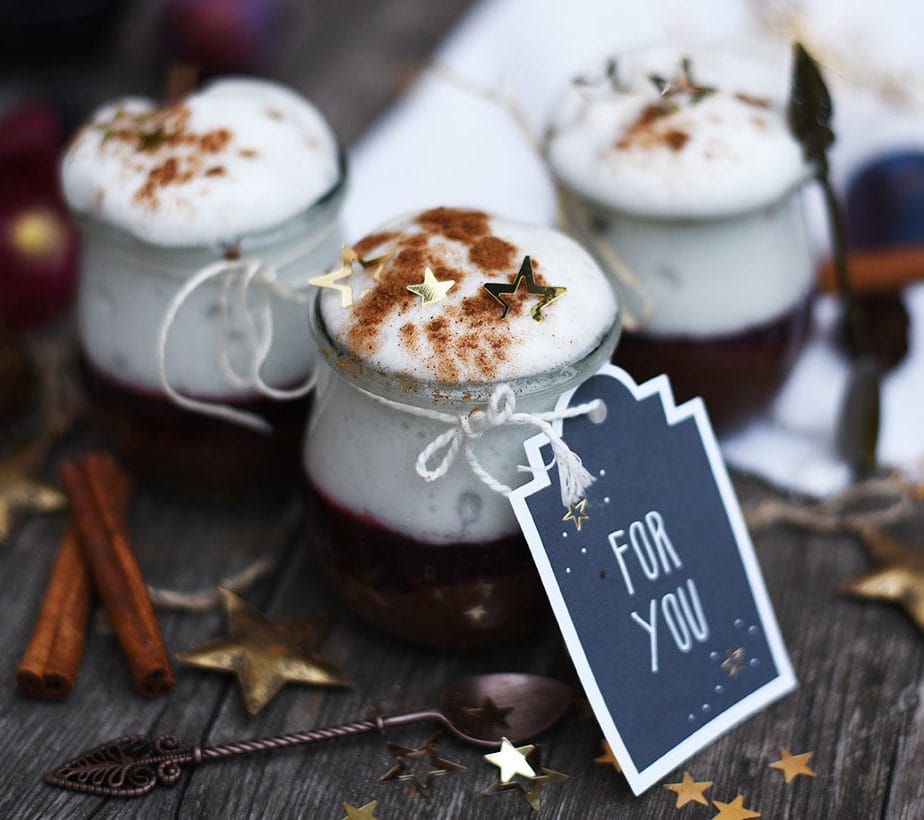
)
(581, 516)
(19, 493)
(431, 290)
(265, 655)
(899, 578)
(689, 791)
(532, 790)
(734, 662)
(548, 294)
(360, 813)
(735, 810)
(511, 760)
(793, 765)
(608, 757)
(429, 752)
(347, 257)
(490, 714)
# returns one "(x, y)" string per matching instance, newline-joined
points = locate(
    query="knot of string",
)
(248, 285)
(435, 460)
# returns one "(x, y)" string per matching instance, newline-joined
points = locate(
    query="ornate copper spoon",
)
(480, 709)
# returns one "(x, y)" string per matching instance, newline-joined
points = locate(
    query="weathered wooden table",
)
(859, 707)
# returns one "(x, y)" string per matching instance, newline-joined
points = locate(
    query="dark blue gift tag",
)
(653, 577)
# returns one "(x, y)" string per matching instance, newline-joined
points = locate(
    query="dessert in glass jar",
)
(678, 170)
(238, 186)
(442, 561)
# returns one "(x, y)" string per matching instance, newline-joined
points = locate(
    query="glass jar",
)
(679, 174)
(441, 563)
(199, 219)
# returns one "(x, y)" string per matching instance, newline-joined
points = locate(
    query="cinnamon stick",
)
(878, 270)
(91, 487)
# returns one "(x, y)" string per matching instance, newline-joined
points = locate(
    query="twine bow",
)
(466, 429)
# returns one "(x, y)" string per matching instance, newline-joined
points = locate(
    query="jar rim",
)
(407, 389)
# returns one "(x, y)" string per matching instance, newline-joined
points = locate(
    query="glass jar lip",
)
(330, 198)
(406, 389)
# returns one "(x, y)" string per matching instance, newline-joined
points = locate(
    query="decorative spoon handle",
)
(133, 765)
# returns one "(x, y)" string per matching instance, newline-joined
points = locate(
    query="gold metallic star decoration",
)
(429, 752)
(511, 760)
(532, 789)
(347, 257)
(362, 812)
(21, 494)
(431, 290)
(735, 810)
(265, 655)
(734, 662)
(580, 517)
(689, 791)
(793, 765)
(608, 758)
(548, 294)
(899, 578)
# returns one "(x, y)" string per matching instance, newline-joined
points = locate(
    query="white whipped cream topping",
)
(239, 157)
(462, 338)
(727, 152)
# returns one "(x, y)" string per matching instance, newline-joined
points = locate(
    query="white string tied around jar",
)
(258, 329)
(466, 428)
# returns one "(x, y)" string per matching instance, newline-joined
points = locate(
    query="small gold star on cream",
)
(608, 758)
(689, 791)
(431, 290)
(736, 810)
(361, 812)
(793, 765)
(347, 257)
(511, 760)
(577, 513)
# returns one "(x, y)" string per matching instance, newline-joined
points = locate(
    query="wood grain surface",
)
(859, 706)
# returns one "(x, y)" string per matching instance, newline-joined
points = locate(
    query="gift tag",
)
(653, 577)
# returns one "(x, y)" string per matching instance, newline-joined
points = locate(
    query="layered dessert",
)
(244, 170)
(678, 170)
(442, 562)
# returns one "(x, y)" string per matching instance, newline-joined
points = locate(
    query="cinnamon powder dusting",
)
(651, 129)
(492, 253)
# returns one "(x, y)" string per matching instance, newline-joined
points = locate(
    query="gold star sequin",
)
(511, 760)
(548, 294)
(347, 257)
(19, 493)
(429, 752)
(431, 290)
(899, 578)
(265, 655)
(532, 790)
(734, 662)
(793, 765)
(360, 813)
(689, 791)
(581, 515)
(735, 810)
(608, 757)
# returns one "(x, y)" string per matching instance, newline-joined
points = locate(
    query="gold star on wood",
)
(734, 662)
(490, 714)
(347, 257)
(265, 655)
(360, 813)
(428, 751)
(580, 517)
(511, 760)
(689, 791)
(19, 493)
(532, 790)
(431, 290)
(793, 765)
(525, 274)
(608, 758)
(735, 810)
(899, 578)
